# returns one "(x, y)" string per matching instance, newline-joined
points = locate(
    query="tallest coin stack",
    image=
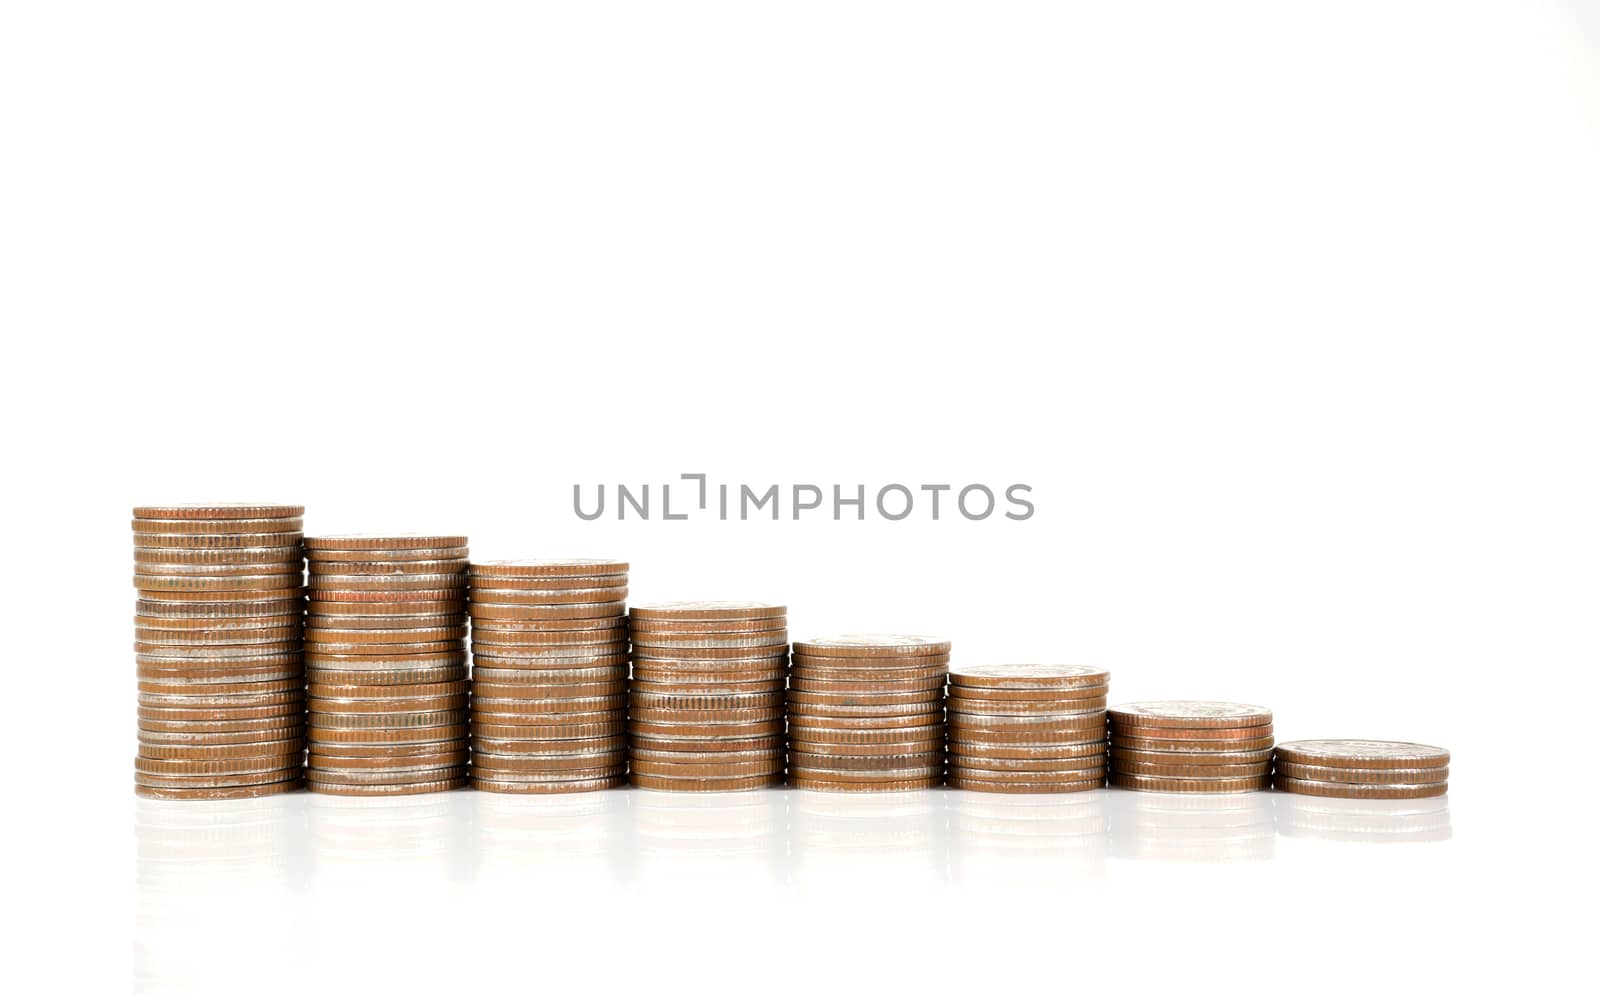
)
(217, 640)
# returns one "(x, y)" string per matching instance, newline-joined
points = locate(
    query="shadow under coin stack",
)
(705, 707)
(386, 664)
(218, 644)
(1364, 768)
(866, 713)
(1191, 747)
(1028, 729)
(549, 675)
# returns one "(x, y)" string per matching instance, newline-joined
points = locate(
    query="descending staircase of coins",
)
(269, 660)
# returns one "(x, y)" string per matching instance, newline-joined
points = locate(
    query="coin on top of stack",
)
(1192, 747)
(217, 640)
(1364, 768)
(386, 664)
(705, 705)
(1021, 729)
(549, 675)
(866, 712)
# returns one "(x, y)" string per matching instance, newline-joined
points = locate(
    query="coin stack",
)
(866, 712)
(549, 675)
(218, 643)
(705, 707)
(1028, 729)
(1364, 768)
(1191, 747)
(386, 663)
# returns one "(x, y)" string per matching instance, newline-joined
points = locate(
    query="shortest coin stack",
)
(866, 713)
(1027, 729)
(549, 675)
(1363, 768)
(386, 664)
(1191, 747)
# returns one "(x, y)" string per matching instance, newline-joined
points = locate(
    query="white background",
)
(1285, 310)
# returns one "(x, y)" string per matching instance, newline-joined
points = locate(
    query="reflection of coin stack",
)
(549, 675)
(1006, 839)
(218, 645)
(1363, 820)
(1223, 827)
(705, 708)
(1028, 729)
(866, 712)
(1192, 747)
(1366, 768)
(386, 664)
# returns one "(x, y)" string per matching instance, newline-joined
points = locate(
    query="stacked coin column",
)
(866, 713)
(1028, 729)
(1191, 747)
(218, 645)
(549, 675)
(1363, 768)
(705, 706)
(386, 664)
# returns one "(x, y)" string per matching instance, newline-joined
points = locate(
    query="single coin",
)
(371, 755)
(512, 730)
(724, 716)
(384, 706)
(802, 737)
(1344, 774)
(1135, 757)
(1369, 754)
(388, 790)
(385, 722)
(209, 572)
(548, 567)
(390, 736)
(804, 766)
(552, 597)
(218, 793)
(1194, 747)
(549, 787)
(387, 567)
(435, 593)
(707, 756)
(501, 610)
(696, 641)
(935, 708)
(645, 782)
(289, 540)
(316, 775)
(916, 762)
(1360, 790)
(1191, 734)
(1021, 709)
(675, 744)
(961, 750)
(219, 511)
(389, 555)
(513, 625)
(221, 751)
(1178, 785)
(398, 660)
(1023, 723)
(707, 611)
(1001, 764)
(1022, 787)
(911, 747)
(550, 747)
(707, 770)
(818, 721)
(219, 557)
(661, 654)
(551, 678)
(816, 664)
(873, 646)
(688, 626)
(218, 714)
(227, 766)
(586, 764)
(279, 724)
(337, 542)
(814, 685)
(1023, 676)
(1035, 775)
(1190, 714)
(557, 691)
(804, 781)
(145, 527)
(206, 780)
(1049, 695)
(454, 608)
(383, 636)
(687, 731)
(640, 700)
(867, 698)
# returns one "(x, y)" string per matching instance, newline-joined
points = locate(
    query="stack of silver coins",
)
(386, 662)
(217, 640)
(549, 675)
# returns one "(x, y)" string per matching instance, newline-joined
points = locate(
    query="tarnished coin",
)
(1179, 785)
(1191, 746)
(548, 567)
(1366, 754)
(388, 790)
(549, 786)
(809, 781)
(218, 793)
(873, 646)
(1121, 757)
(970, 706)
(1189, 714)
(144, 527)
(385, 567)
(1363, 790)
(698, 745)
(645, 782)
(1345, 774)
(223, 511)
(916, 762)
(1023, 676)
(389, 555)
(707, 611)
(352, 542)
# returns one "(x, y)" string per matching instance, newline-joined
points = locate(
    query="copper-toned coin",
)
(1029, 740)
(1344, 774)
(550, 776)
(213, 512)
(454, 608)
(1190, 714)
(960, 782)
(285, 603)
(913, 747)
(645, 782)
(665, 654)
(725, 716)
(336, 752)
(335, 680)
(703, 732)
(216, 657)
(1001, 764)
(224, 751)
(385, 648)
(1096, 774)
(805, 781)
(548, 567)
(551, 761)
(960, 750)
(316, 775)
(246, 624)
(161, 680)
(502, 731)
(288, 692)
(143, 527)
(218, 714)
(1027, 723)
(1191, 734)
(218, 793)
(873, 646)
(384, 705)
(917, 762)
(319, 542)
(1024, 676)
(1125, 757)
(669, 687)
(801, 734)
(1191, 746)
(387, 790)
(640, 626)
(773, 642)
(374, 722)
(814, 721)
(218, 557)
(503, 610)
(551, 585)
(547, 705)
(968, 706)
(553, 597)
(393, 736)
(727, 768)
(704, 701)
(867, 713)
(376, 625)
(210, 572)
(435, 597)
(691, 756)
(670, 675)
(385, 769)
(549, 747)
(557, 691)
(549, 787)
(707, 611)
(866, 698)
(1193, 772)
(1178, 785)
(1361, 790)
(208, 543)
(210, 738)
(551, 657)
(1033, 696)
(388, 555)
(693, 746)
(282, 636)
(362, 660)
(329, 639)
(551, 678)
(226, 766)
(843, 667)
(805, 766)
(1365, 754)
(813, 685)
(204, 587)
(482, 627)
(207, 780)
(333, 585)
(276, 725)
(386, 567)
